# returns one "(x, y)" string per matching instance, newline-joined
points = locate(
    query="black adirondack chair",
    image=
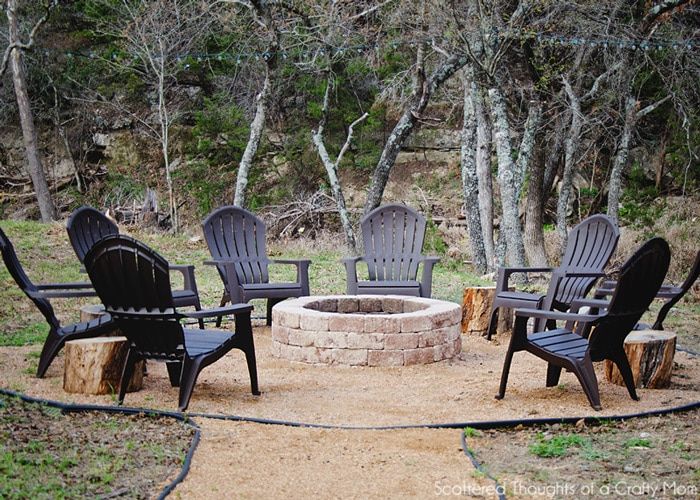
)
(393, 238)
(40, 295)
(670, 293)
(236, 241)
(133, 283)
(640, 279)
(589, 247)
(86, 226)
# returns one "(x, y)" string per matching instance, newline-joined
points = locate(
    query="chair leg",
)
(252, 370)
(493, 322)
(623, 365)
(506, 370)
(224, 298)
(131, 358)
(270, 304)
(553, 374)
(190, 371)
(198, 307)
(52, 346)
(586, 376)
(174, 372)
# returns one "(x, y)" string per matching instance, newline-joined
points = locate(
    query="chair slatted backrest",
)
(589, 247)
(677, 294)
(393, 238)
(133, 282)
(86, 226)
(235, 233)
(17, 272)
(639, 281)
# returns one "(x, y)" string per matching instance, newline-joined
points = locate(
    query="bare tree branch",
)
(48, 6)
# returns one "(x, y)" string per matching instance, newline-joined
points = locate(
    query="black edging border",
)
(500, 490)
(79, 408)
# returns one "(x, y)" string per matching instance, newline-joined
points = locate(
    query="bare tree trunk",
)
(164, 119)
(534, 220)
(551, 164)
(572, 142)
(527, 144)
(620, 161)
(483, 174)
(332, 166)
(469, 177)
(533, 236)
(31, 143)
(423, 90)
(256, 131)
(510, 227)
(615, 182)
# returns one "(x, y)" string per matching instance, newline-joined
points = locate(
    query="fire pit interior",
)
(366, 330)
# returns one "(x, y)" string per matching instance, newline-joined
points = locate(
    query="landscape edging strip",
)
(483, 425)
(500, 490)
(77, 408)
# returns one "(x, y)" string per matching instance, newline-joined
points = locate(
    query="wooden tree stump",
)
(476, 309)
(650, 354)
(94, 366)
(90, 312)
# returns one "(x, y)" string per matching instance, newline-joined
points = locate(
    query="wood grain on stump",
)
(650, 354)
(94, 366)
(476, 311)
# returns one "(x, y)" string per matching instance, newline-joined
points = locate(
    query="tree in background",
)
(156, 38)
(13, 58)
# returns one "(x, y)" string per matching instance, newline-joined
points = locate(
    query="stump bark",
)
(476, 311)
(650, 354)
(94, 366)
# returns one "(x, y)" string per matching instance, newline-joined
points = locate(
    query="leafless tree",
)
(159, 35)
(13, 57)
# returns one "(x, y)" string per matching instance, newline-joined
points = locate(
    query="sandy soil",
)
(245, 460)
(458, 390)
(253, 459)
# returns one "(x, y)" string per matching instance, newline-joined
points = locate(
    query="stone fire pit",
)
(367, 330)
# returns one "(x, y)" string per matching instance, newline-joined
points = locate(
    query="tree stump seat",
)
(476, 311)
(650, 354)
(94, 366)
(91, 311)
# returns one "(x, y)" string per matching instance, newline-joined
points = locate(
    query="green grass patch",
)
(33, 333)
(470, 432)
(637, 443)
(556, 446)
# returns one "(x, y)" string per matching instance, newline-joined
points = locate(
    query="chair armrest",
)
(350, 264)
(593, 303)
(302, 266)
(187, 271)
(426, 282)
(64, 286)
(556, 315)
(295, 262)
(219, 311)
(62, 294)
(603, 292)
(505, 272)
(581, 273)
(63, 290)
